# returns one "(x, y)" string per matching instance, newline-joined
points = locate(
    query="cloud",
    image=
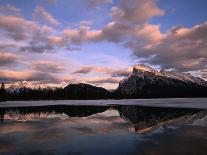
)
(82, 35)
(10, 9)
(47, 66)
(37, 39)
(7, 59)
(105, 70)
(55, 40)
(82, 23)
(8, 45)
(181, 48)
(99, 2)
(17, 27)
(84, 70)
(116, 32)
(135, 11)
(11, 75)
(43, 42)
(128, 17)
(21, 29)
(203, 73)
(102, 80)
(38, 47)
(40, 13)
(121, 72)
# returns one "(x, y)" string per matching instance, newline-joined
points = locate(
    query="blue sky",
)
(181, 12)
(56, 42)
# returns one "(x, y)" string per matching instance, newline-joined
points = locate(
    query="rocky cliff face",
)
(147, 82)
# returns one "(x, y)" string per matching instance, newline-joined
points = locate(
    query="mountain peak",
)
(139, 69)
(144, 68)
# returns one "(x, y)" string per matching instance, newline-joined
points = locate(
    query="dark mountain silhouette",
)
(85, 91)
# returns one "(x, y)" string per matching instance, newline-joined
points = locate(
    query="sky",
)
(57, 42)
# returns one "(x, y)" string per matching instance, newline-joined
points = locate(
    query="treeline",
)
(33, 94)
(72, 91)
(3, 94)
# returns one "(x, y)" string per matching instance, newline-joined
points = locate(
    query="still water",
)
(102, 130)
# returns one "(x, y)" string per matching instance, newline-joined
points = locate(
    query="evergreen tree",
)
(2, 92)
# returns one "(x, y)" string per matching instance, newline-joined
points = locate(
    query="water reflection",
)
(143, 119)
(102, 129)
(147, 119)
(44, 111)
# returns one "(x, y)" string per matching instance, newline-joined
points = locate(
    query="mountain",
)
(17, 87)
(85, 91)
(143, 82)
(25, 85)
(147, 82)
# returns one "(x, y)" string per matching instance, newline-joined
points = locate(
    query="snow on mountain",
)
(148, 82)
(139, 70)
(20, 85)
(186, 77)
(145, 68)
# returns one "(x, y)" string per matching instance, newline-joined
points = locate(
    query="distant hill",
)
(85, 91)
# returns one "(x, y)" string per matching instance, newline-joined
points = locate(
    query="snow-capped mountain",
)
(148, 82)
(22, 85)
(17, 86)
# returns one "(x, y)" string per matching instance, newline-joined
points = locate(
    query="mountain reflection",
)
(44, 111)
(143, 119)
(147, 119)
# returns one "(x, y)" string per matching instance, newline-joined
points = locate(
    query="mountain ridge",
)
(143, 82)
(148, 82)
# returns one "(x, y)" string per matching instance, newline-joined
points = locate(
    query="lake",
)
(104, 127)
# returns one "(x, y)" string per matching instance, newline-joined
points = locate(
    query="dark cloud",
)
(121, 72)
(37, 47)
(47, 66)
(84, 70)
(6, 59)
(116, 32)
